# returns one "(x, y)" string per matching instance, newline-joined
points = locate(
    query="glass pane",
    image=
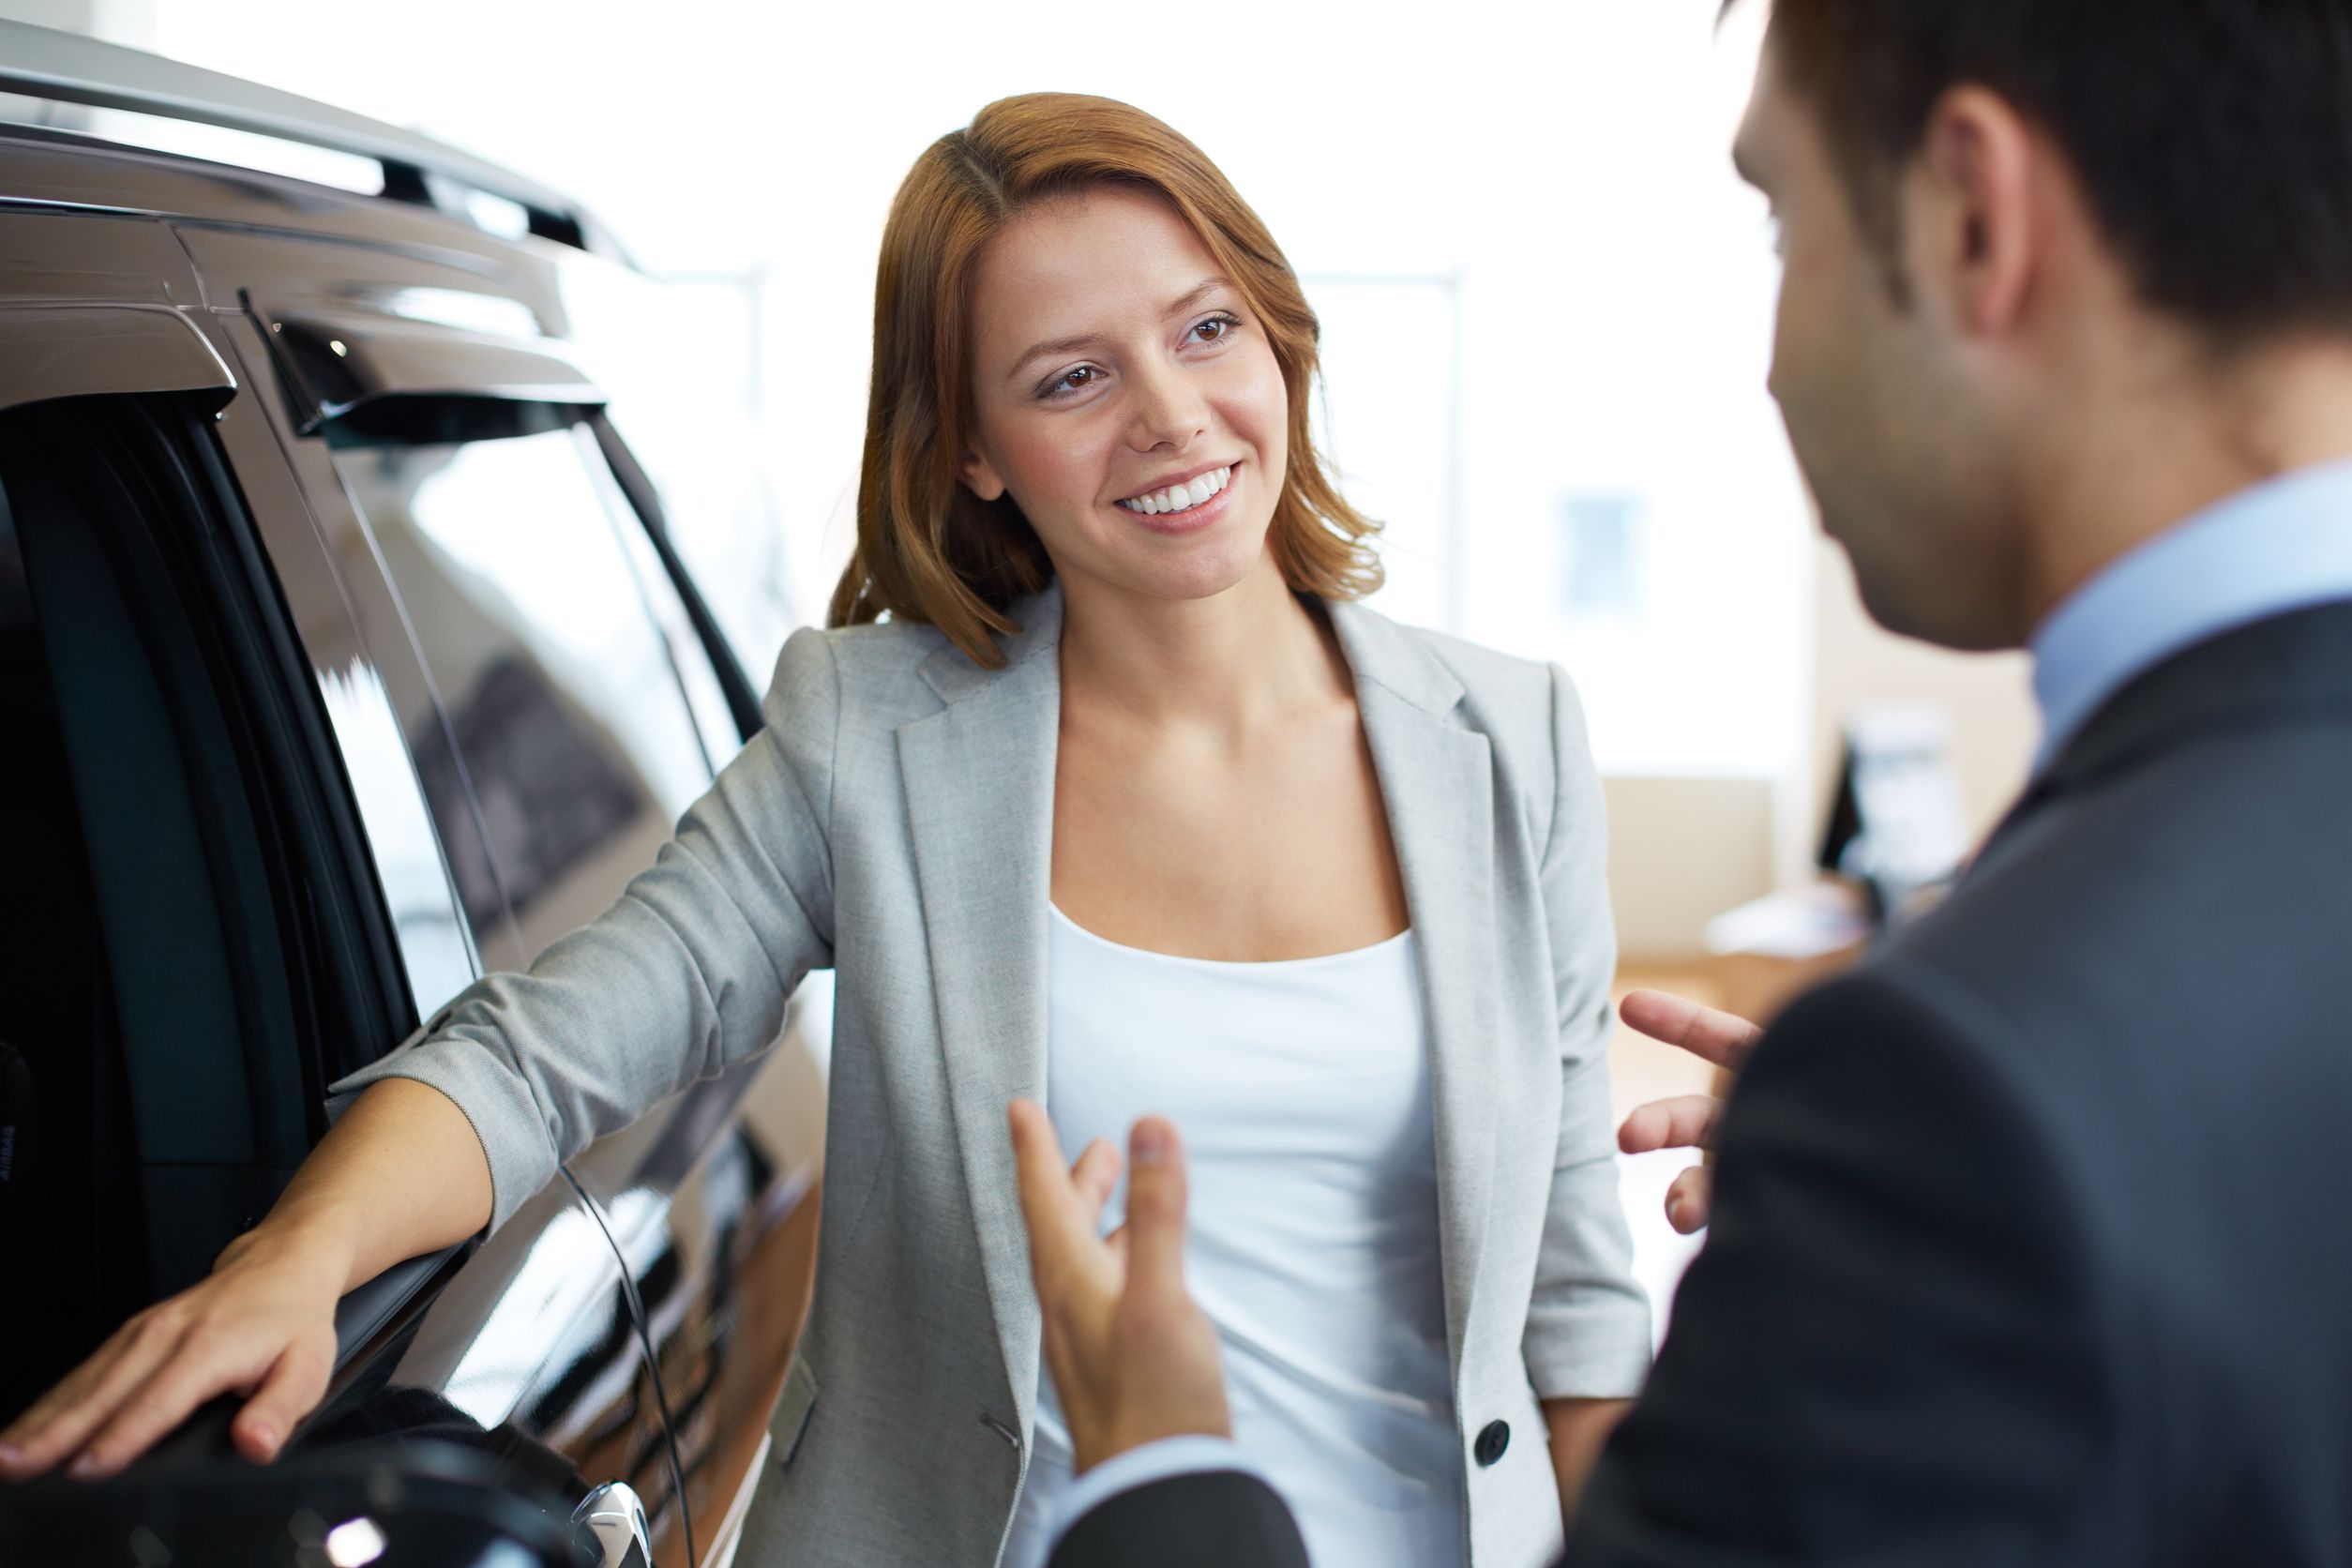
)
(436, 948)
(567, 724)
(708, 699)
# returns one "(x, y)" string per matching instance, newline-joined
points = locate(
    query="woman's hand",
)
(261, 1325)
(1686, 1121)
(399, 1175)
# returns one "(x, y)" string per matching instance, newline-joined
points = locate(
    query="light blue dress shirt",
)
(2284, 545)
(2281, 546)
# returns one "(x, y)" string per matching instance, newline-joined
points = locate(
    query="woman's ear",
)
(980, 476)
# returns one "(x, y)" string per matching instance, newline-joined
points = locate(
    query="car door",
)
(585, 700)
(588, 710)
(249, 897)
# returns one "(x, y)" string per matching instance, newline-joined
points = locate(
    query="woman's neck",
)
(1232, 661)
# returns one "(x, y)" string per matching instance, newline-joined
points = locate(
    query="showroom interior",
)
(1547, 308)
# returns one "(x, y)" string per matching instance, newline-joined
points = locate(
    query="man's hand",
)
(1133, 1359)
(1687, 1121)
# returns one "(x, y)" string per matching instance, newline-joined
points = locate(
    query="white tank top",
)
(1302, 1089)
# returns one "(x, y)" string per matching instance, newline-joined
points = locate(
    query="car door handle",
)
(614, 1519)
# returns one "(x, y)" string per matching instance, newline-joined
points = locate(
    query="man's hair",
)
(2213, 138)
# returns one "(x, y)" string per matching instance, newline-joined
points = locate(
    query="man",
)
(2027, 1242)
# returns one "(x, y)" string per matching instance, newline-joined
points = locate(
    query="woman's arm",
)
(400, 1174)
(686, 974)
(1578, 1427)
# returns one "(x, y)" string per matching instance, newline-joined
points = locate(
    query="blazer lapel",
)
(979, 782)
(1437, 781)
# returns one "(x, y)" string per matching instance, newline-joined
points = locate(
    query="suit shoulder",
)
(1497, 687)
(2114, 940)
(2225, 849)
(873, 672)
(1488, 675)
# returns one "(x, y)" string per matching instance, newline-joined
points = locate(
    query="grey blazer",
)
(893, 822)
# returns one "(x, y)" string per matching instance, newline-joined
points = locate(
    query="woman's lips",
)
(1192, 520)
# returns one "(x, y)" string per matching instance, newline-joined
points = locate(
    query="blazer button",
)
(1492, 1441)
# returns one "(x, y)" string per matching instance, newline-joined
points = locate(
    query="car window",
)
(580, 715)
(436, 947)
(160, 988)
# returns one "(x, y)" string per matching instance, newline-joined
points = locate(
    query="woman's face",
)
(1126, 396)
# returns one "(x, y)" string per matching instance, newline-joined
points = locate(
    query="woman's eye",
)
(1215, 329)
(1073, 381)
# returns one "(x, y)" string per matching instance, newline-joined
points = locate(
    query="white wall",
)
(1545, 187)
(1563, 167)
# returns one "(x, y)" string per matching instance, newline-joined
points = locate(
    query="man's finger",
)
(1690, 1201)
(1717, 1036)
(1155, 1208)
(1682, 1122)
(1093, 1177)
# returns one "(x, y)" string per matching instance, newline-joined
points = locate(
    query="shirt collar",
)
(2284, 545)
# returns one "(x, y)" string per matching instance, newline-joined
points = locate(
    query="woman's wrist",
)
(320, 1244)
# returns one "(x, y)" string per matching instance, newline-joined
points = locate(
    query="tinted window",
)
(581, 718)
(160, 986)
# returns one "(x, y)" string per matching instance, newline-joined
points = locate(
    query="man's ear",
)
(1989, 228)
(980, 476)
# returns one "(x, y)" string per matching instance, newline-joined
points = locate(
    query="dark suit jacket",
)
(2033, 1239)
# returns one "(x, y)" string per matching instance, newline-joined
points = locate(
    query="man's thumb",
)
(1155, 1206)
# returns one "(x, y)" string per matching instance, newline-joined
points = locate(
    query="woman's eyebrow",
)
(1198, 292)
(1191, 297)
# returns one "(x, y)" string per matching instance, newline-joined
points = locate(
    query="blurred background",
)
(1547, 312)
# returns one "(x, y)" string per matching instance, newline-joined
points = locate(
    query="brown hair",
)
(927, 548)
(2213, 138)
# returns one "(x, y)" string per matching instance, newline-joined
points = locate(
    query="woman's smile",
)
(1183, 505)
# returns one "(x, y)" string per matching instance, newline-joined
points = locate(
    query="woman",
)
(1104, 791)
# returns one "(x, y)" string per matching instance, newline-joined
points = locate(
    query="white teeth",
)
(1179, 498)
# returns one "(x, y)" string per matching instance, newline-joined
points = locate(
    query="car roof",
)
(425, 182)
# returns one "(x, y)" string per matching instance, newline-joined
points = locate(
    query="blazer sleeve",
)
(1220, 1517)
(1887, 1351)
(1588, 1327)
(688, 973)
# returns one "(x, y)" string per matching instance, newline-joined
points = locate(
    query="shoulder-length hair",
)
(927, 548)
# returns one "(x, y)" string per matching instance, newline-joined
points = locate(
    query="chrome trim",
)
(44, 63)
(614, 1519)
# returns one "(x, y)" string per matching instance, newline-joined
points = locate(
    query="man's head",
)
(2043, 258)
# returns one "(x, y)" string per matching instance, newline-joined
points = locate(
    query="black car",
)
(344, 655)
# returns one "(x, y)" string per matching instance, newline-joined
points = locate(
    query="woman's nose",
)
(1169, 410)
